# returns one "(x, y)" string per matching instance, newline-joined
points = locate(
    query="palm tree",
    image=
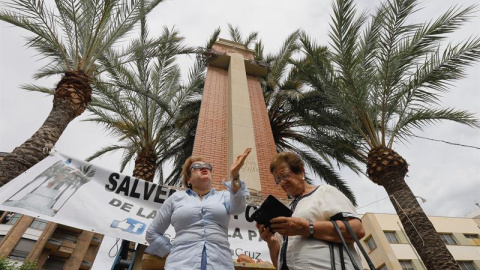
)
(386, 77)
(57, 168)
(140, 103)
(83, 175)
(301, 122)
(73, 36)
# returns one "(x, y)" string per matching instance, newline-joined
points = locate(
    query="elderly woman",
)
(200, 216)
(306, 235)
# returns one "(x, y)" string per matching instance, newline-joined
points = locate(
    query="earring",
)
(189, 185)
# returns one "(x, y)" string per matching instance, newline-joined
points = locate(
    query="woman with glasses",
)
(200, 216)
(306, 235)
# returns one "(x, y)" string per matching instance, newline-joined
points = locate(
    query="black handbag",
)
(343, 216)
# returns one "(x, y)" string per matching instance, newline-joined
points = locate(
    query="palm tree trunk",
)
(418, 227)
(72, 95)
(387, 168)
(39, 145)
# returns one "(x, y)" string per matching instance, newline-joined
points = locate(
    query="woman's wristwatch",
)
(236, 180)
(311, 229)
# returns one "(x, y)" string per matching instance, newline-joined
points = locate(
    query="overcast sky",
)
(447, 176)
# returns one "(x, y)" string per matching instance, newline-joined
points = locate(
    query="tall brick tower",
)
(233, 117)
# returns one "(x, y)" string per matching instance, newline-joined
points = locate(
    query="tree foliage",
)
(386, 76)
(140, 102)
(6, 264)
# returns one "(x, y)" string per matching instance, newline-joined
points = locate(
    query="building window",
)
(21, 250)
(38, 224)
(64, 235)
(448, 239)
(406, 265)
(392, 237)
(371, 243)
(466, 265)
(12, 219)
(383, 267)
(471, 236)
(7, 217)
(54, 263)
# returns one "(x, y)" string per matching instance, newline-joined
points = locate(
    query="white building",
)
(389, 248)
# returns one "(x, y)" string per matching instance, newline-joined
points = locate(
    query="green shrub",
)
(28, 265)
(6, 264)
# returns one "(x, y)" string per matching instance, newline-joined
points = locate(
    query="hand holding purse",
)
(270, 208)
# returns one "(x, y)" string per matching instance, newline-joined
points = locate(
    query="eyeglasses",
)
(198, 166)
(284, 176)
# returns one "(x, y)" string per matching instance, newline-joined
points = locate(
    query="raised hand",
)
(237, 164)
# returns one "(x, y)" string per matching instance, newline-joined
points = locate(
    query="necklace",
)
(201, 196)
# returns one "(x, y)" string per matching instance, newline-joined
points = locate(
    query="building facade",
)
(389, 248)
(50, 245)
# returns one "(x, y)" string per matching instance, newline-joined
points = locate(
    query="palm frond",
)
(259, 50)
(75, 34)
(103, 151)
(36, 88)
(127, 156)
(213, 38)
(235, 33)
(250, 39)
(423, 117)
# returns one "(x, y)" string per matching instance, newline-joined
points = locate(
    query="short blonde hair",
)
(293, 160)
(186, 169)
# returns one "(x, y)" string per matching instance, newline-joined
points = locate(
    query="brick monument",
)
(233, 117)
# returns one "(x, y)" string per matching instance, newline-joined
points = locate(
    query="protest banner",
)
(79, 194)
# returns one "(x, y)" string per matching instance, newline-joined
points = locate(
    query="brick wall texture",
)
(264, 142)
(211, 136)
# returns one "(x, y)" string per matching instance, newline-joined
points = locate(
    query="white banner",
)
(78, 194)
